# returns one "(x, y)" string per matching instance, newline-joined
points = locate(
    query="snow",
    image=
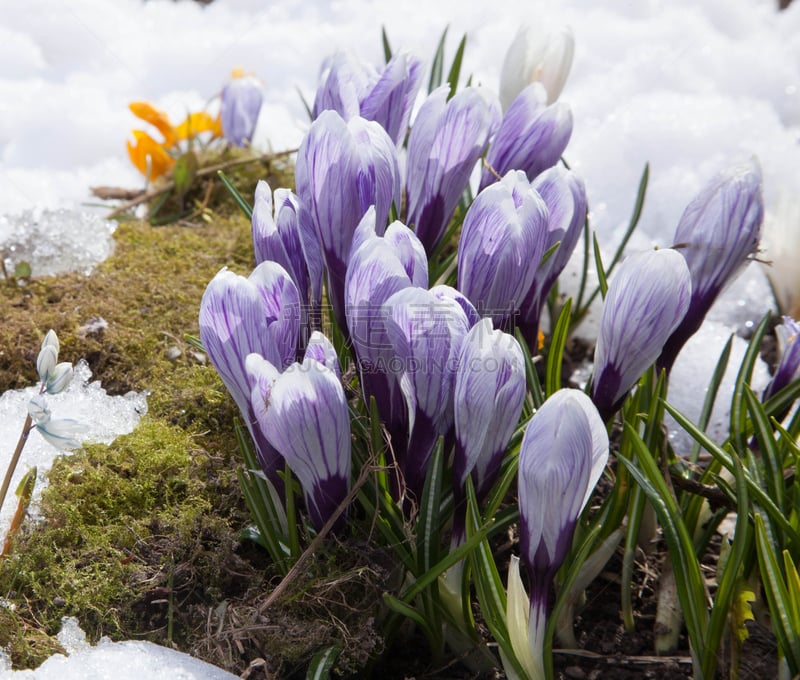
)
(688, 86)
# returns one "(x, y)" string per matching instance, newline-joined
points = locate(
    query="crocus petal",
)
(306, 419)
(536, 56)
(390, 100)
(378, 268)
(344, 80)
(322, 350)
(149, 157)
(197, 123)
(555, 470)
(240, 104)
(489, 392)
(158, 119)
(342, 169)
(446, 140)
(502, 242)
(531, 138)
(426, 331)
(789, 364)
(518, 622)
(646, 300)
(283, 233)
(564, 195)
(717, 235)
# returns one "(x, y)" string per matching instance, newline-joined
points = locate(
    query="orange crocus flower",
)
(197, 123)
(146, 147)
(157, 119)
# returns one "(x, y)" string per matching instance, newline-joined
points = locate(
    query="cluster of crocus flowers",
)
(240, 103)
(154, 158)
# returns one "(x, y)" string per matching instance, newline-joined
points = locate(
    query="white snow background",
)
(689, 86)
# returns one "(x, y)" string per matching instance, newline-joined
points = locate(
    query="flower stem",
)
(26, 429)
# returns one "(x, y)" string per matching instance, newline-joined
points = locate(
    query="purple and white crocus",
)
(788, 369)
(239, 316)
(564, 195)
(379, 267)
(447, 139)
(240, 105)
(502, 242)
(718, 234)
(283, 232)
(488, 395)
(647, 298)
(343, 168)
(532, 136)
(354, 88)
(303, 413)
(426, 329)
(562, 455)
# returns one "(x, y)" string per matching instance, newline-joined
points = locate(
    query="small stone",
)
(59, 601)
(174, 353)
(575, 672)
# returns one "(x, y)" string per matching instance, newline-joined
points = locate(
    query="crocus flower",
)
(378, 268)
(502, 242)
(62, 433)
(646, 300)
(488, 395)
(283, 233)
(342, 169)
(562, 455)
(788, 368)
(781, 243)
(532, 136)
(240, 316)
(717, 235)
(149, 156)
(536, 56)
(446, 140)
(354, 88)
(240, 104)
(303, 413)
(564, 195)
(426, 329)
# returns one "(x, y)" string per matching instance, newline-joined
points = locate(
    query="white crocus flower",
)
(536, 56)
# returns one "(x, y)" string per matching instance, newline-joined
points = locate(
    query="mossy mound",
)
(141, 539)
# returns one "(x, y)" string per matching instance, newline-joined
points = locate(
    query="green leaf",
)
(488, 586)
(240, 200)
(738, 415)
(184, 171)
(455, 68)
(771, 457)
(787, 631)
(689, 579)
(22, 270)
(322, 663)
(387, 50)
(776, 514)
(437, 66)
(728, 580)
(601, 272)
(555, 353)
